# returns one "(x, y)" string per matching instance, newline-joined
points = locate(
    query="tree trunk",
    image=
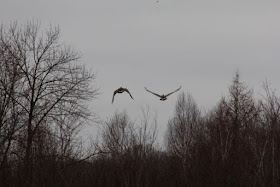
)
(28, 169)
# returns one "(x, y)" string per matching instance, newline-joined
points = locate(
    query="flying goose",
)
(163, 97)
(120, 90)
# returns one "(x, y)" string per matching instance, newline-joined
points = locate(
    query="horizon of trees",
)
(44, 96)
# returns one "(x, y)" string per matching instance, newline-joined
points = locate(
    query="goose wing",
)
(174, 91)
(116, 91)
(152, 92)
(126, 90)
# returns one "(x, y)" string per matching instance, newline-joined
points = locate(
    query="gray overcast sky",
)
(198, 44)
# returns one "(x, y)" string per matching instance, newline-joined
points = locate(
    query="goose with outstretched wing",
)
(163, 97)
(121, 90)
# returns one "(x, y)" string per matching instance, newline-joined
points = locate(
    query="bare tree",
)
(9, 111)
(232, 132)
(52, 83)
(182, 130)
(181, 127)
(271, 122)
(146, 132)
(128, 147)
(117, 135)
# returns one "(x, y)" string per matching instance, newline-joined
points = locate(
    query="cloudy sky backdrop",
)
(198, 44)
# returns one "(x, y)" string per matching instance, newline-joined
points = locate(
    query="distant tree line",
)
(44, 93)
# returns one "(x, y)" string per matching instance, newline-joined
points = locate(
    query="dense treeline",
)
(44, 93)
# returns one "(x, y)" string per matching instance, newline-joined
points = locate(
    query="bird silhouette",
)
(121, 90)
(163, 97)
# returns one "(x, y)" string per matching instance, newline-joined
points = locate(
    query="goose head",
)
(120, 90)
